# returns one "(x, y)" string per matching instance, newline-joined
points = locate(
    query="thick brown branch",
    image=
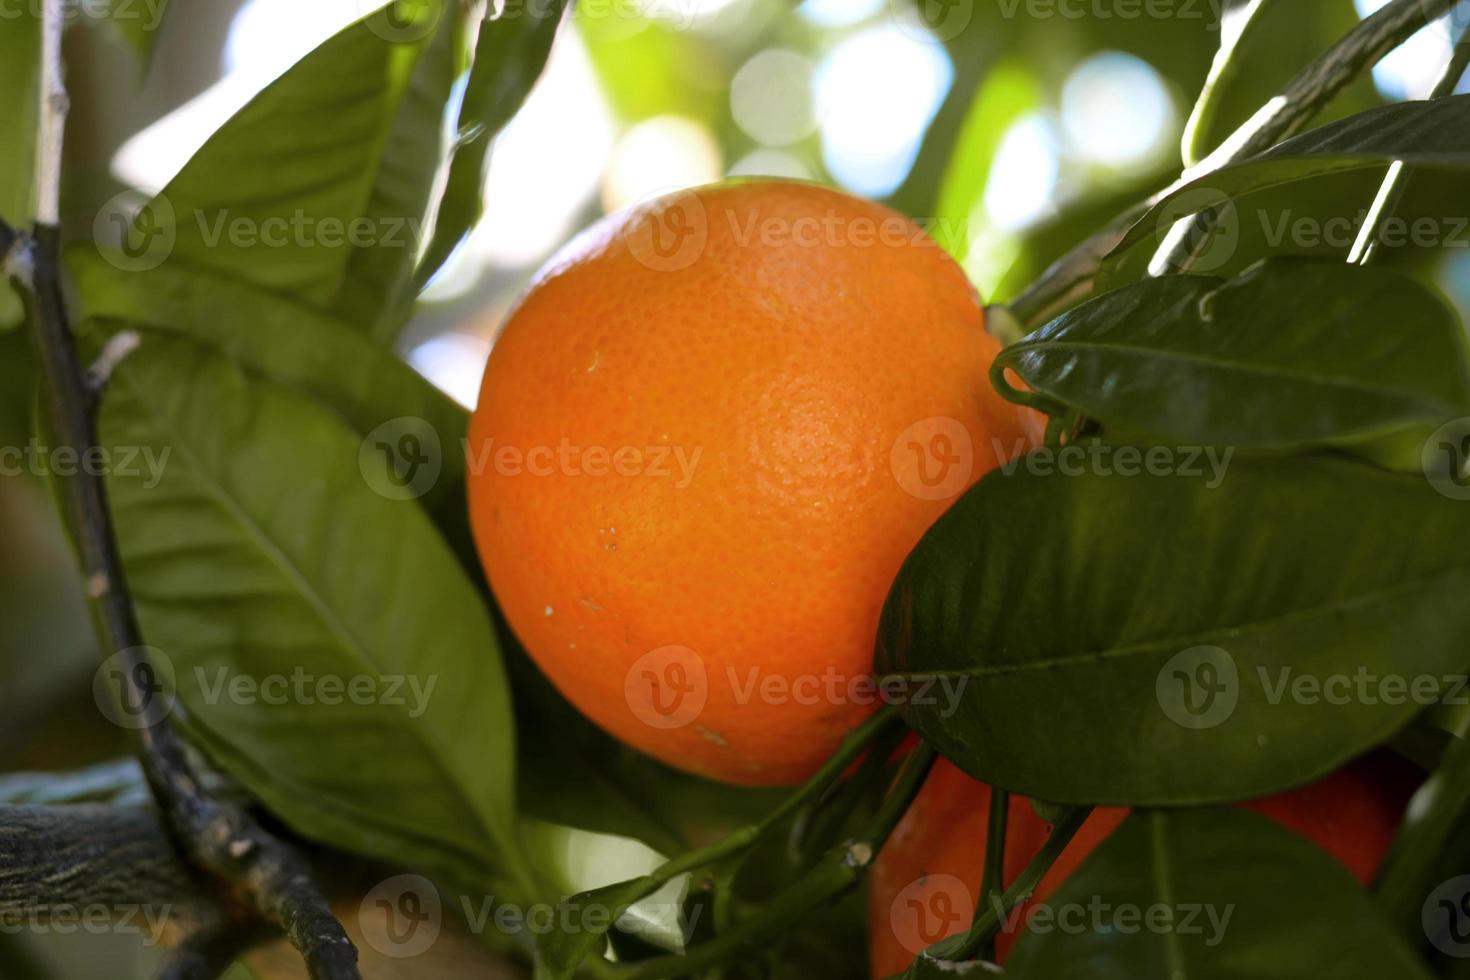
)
(70, 860)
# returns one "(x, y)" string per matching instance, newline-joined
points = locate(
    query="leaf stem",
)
(988, 923)
(1288, 113)
(1396, 181)
(1073, 276)
(992, 879)
(840, 868)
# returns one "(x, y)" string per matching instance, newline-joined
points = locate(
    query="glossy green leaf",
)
(1422, 134)
(289, 342)
(1213, 894)
(1290, 355)
(317, 189)
(509, 56)
(330, 653)
(1188, 633)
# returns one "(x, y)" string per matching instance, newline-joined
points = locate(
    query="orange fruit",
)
(926, 881)
(706, 439)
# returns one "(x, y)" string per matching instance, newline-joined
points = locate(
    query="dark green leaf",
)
(261, 552)
(1422, 134)
(1215, 894)
(509, 56)
(1292, 354)
(1186, 637)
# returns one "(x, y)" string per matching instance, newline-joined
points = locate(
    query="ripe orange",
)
(706, 439)
(926, 880)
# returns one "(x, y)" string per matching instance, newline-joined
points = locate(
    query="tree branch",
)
(264, 874)
(71, 858)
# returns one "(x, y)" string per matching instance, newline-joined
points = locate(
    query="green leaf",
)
(582, 926)
(1291, 355)
(258, 551)
(1177, 638)
(317, 189)
(379, 289)
(289, 342)
(511, 52)
(1215, 894)
(1422, 134)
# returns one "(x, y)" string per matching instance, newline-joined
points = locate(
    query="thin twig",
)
(1396, 181)
(263, 873)
(1071, 277)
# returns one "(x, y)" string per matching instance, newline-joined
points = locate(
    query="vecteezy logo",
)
(933, 459)
(402, 916)
(135, 234)
(1199, 688)
(1446, 917)
(929, 909)
(932, 20)
(1445, 459)
(402, 458)
(134, 688)
(667, 233)
(401, 21)
(667, 688)
(1203, 220)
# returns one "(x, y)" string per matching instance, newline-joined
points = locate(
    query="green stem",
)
(841, 868)
(992, 880)
(852, 747)
(1396, 181)
(988, 923)
(1287, 114)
